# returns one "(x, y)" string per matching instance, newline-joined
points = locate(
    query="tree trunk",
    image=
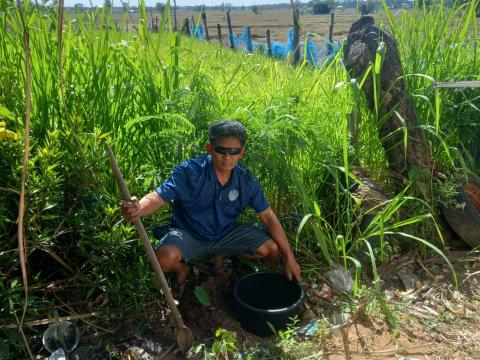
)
(360, 50)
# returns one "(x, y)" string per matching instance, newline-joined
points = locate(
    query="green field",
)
(152, 96)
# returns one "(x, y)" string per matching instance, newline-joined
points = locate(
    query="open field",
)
(279, 21)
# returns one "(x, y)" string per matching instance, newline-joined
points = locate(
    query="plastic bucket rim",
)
(462, 197)
(269, 311)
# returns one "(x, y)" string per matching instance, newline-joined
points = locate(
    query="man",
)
(208, 194)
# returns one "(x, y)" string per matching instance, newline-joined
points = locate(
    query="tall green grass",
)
(153, 96)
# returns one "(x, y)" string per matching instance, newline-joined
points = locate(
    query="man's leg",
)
(170, 259)
(268, 250)
(175, 249)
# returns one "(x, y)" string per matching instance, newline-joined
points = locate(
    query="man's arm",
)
(133, 209)
(278, 235)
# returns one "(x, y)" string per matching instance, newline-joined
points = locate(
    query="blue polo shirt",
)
(202, 206)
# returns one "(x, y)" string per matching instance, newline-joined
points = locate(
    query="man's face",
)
(226, 153)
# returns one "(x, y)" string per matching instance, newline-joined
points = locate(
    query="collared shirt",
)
(202, 206)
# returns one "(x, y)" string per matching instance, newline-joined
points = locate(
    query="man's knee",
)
(268, 249)
(168, 257)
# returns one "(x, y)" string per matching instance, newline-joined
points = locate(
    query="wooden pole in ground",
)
(296, 37)
(186, 27)
(330, 28)
(219, 32)
(249, 43)
(269, 43)
(204, 18)
(330, 32)
(230, 31)
(175, 15)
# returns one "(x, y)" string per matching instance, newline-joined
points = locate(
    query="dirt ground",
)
(279, 21)
(434, 319)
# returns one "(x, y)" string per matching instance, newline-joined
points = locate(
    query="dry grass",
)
(278, 21)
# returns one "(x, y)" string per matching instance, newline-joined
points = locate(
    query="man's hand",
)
(292, 269)
(131, 210)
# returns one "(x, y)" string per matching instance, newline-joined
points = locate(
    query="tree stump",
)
(360, 49)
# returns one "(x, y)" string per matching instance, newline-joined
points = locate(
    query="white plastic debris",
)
(340, 279)
(63, 335)
(58, 355)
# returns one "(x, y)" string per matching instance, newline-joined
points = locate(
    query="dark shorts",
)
(244, 239)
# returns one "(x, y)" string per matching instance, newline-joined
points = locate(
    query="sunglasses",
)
(227, 150)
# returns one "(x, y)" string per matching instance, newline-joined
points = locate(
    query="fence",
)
(307, 50)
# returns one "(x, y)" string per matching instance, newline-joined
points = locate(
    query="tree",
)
(364, 9)
(321, 7)
(78, 7)
(160, 7)
(255, 9)
(108, 5)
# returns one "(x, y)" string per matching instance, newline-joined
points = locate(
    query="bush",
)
(321, 8)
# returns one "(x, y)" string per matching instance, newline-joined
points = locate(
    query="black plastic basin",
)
(266, 297)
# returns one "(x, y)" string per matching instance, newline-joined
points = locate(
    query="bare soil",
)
(279, 21)
(435, 320)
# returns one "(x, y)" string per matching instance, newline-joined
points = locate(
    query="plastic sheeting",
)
(197, 31)
(315, 54)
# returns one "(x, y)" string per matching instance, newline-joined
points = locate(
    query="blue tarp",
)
(313, 53)
(197, 31)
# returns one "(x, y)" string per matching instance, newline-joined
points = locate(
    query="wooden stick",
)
(204, 18)
(26, 156)
(296, 36)
(330, 28)
(186, 27)
(146, 243)
(269, 43)
(20, 329)
(219, 32)
(249, 43)
(230, 31)
(51, 321)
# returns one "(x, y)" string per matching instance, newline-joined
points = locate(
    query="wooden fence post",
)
(296, 36)
(186, 27)
(219, 32)
(204, 18)
(249, 43)
(269, 43)
(230, 31)
(330, 29)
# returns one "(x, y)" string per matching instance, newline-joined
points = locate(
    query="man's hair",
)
(227, 128)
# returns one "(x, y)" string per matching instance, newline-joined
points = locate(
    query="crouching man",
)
(208, 194)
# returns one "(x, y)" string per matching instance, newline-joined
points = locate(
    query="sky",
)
(182, 2)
